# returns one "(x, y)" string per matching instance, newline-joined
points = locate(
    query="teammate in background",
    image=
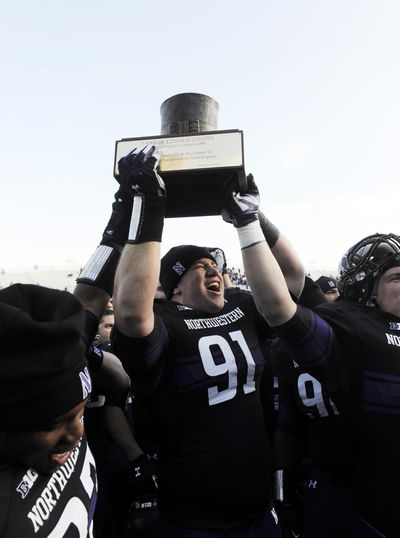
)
(45, 460)
(329, 288)
(195, 360)
(102, 338)
(350, 346)
(125, 473)
(313, 446)
(47, 473)
(124, 470)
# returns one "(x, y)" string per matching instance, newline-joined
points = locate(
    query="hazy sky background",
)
(314, 85)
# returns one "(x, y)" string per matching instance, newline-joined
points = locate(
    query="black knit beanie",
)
(326, 283)
(178, 260)
(43, 369)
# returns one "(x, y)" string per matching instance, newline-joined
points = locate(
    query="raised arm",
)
(262, 270)
(135, 286)
(267, 284)
(138, 271)
(285, 254)
(96, 280)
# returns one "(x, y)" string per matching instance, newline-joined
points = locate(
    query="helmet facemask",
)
(364, 263)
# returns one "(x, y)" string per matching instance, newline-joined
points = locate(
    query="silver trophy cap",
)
(187, 113)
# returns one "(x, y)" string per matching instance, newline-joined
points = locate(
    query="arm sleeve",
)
(143, 358)
(290, 419)
(311, 342)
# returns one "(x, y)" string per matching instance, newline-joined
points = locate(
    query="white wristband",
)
(250, 234)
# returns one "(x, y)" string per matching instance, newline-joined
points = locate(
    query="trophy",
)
(196, 158)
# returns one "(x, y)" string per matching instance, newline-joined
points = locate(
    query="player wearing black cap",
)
(48, 476)
(195, 361)
(47, 473)
(352, 347)
(329, 287)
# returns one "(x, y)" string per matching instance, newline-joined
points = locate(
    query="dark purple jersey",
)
(354, 351)
(58, 505)
(215, 454)
(306, 410)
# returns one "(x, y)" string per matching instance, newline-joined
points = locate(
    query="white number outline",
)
(216, 396)
(317, 401)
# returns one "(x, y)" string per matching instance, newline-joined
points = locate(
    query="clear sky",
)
(314, 85)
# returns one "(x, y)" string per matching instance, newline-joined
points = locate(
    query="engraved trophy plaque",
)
(196, 158)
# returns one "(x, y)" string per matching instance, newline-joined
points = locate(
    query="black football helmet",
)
(364, 262)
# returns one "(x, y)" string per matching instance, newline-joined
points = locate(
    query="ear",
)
(176, 295)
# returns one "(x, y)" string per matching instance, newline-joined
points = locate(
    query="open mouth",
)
(214, 286)
(59, 458)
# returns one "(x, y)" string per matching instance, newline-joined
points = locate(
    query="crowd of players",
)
(211, 411)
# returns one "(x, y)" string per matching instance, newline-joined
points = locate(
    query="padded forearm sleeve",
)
(100, 269)
(270, 231)
(147, 221)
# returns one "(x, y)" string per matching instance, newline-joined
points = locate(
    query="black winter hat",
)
(43, 369)
(178, 260)
(326, 283)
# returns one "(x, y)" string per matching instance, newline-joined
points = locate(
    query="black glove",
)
(145, 472)
(138, 176)
(240, 208)
(116, 231)
(100, 269)
(219, 256)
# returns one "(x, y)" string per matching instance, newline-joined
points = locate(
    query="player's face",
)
(202, 287)
(331, 295)
(388, 291)
(105, 326)
(46, 450)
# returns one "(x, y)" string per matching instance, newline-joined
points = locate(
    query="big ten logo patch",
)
(27, 482)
